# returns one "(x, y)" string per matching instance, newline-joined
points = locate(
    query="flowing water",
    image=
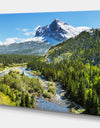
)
(57, 104)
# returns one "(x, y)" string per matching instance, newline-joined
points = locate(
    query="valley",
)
(64, 77)
(53, 103)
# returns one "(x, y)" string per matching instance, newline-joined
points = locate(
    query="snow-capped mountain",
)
(45, 37)
(58, 31)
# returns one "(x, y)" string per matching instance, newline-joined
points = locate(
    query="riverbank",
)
(12, 66)
(73, 107)
(58, 102)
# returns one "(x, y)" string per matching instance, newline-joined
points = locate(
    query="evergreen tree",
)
(27, 101)
(22, 104)
(32, 100)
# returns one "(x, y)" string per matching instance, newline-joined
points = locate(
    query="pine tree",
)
(13, 96)
(17, 97)
(32, 100)
(27, 101)
(22, 104)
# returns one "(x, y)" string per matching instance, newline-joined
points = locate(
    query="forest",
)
(78, 70)
(85, 47)
(74, 63)
(18, 89)
(6, 59)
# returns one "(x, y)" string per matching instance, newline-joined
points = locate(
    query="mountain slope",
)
(45, 37)
(84, 47)
(26, 48)
(58, 31)
(77, 70)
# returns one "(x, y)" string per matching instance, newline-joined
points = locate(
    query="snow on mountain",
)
(83, 28)
(45, 37)
(58, 31)
(35, 39)
(9, 41)
(53, 33)
(26, 48)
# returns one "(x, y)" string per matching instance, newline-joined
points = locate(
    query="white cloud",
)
(10, 40)
(0, 43)
(18, 29)
(23, 30)
(26, 32)
(29, 33)
(20, 40)
(38, 39)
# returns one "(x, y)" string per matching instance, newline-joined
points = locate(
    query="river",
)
(57, 104)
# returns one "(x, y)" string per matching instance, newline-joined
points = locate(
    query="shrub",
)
(47, 94)
(52, 89)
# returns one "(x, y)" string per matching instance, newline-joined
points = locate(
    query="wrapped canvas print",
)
(51, 61)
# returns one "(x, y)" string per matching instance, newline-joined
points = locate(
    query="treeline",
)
(20, 88)
(9, 59)
(81, 81)
(85, 47)
(79, 73)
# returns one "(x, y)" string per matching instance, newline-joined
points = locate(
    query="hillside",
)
(84, 47)
(77, 70)
(26, 48)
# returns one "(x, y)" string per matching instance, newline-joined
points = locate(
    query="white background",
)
(11, 117)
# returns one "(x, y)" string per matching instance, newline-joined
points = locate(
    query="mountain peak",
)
(59, 21)
(56, 20)
(59, 31)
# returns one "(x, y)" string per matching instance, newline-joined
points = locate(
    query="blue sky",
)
(15, 27)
